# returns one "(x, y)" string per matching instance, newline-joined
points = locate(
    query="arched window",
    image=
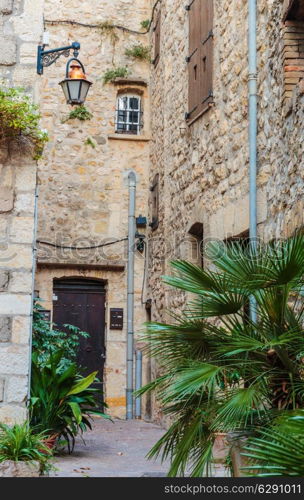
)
(128, 114)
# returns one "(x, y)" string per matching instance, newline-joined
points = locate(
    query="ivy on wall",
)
(19, 122)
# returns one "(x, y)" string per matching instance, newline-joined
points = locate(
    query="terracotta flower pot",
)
(237, 442)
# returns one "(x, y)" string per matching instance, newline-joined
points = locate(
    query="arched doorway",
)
(81, 302)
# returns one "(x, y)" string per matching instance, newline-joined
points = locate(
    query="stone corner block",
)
(12, 414)
(6, 6)
(5, 329)
(6, 194)
(2, 383)
(8, 55)
(4, 280)
(16, 391)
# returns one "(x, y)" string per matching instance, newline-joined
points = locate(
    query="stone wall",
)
(83, 197)
(203, 168)
(21, 23)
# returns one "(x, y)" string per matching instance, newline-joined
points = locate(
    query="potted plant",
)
(62, 401)
(222, 370)
(22, 451)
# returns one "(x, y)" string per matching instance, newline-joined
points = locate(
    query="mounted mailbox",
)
(116, 319)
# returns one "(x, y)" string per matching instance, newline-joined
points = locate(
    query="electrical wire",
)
(55, 245)
(117, 26)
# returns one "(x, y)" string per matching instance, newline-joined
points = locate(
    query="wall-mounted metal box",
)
(116, 319)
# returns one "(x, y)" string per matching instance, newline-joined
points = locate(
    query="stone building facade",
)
(83, 178)
(203, 165)
(192, 175)
(21, 26)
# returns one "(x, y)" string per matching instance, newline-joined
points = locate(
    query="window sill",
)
(130, 81)
(128, 137)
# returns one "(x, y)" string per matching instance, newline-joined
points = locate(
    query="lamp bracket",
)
(48, 57)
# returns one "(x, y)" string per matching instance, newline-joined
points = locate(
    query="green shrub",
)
(89, 142)
(139, 51)
(62, 401)
(145, 24)
(19, 122)
(48, 340)
(80, 113)
(21, 443)
(111, 74)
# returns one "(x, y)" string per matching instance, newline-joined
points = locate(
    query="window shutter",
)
(206, 53)
(200, 58)
(155, 202)
(193, 59)
(156, 30)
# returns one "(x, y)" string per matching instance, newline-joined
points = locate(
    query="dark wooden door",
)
(82, 303)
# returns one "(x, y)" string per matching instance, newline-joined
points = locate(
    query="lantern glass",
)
(84, 90)
(75, 90)
(64, 86)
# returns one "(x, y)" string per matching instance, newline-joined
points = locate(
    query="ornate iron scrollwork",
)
(49, 59)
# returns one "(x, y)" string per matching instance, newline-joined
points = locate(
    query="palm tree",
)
(220, 370)
(280, 450)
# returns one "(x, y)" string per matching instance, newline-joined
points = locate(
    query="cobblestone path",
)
(113, 450)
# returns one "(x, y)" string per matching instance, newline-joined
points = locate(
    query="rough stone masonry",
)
(203, 167)
(21, 23)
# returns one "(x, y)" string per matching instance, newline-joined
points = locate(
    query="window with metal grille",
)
(128, 115)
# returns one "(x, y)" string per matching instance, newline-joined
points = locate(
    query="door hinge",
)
(208, 96)
(210, 35)
(188, 58)
(188, 7)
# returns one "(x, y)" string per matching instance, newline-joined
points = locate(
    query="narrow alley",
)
(113, 449)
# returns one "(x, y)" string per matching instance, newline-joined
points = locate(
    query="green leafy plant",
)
(279, 451)
(21, 443)
(108, 28)
(80, 113)
(111, 74)
(89, 142)
(47, 339)
(139, 51)
(19, 121)
(62, 402)
(221, 370)
(145, 24)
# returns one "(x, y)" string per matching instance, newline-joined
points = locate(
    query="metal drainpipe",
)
(34, 259)
(252, 94)
(130, 293)
(138, 383)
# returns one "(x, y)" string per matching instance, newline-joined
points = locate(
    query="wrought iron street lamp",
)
(75, 86)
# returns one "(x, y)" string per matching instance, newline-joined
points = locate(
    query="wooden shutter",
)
(200, 58)
(193, 59)
(206, 53)
(155, 202)
(156, 30)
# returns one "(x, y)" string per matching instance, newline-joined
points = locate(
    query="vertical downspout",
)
(138, 383)
(34, 260)
(252, 94)
(130, 293)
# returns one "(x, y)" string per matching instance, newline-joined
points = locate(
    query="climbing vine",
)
(19, 122)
